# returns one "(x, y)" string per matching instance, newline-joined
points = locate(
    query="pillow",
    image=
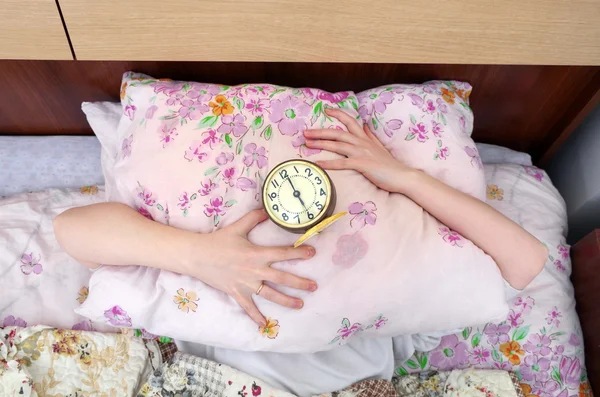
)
(429, 127)
(194, 156)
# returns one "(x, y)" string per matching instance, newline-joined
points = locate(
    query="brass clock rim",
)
(310, 223)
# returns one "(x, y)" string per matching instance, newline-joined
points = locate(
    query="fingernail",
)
(313, 287)
(310, 251)
(307, 132)
(299, 304)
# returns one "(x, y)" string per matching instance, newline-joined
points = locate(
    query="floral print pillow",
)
(195, 155)
(429, 127)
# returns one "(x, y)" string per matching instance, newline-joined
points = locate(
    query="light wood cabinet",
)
(32, 29)
(395, 31)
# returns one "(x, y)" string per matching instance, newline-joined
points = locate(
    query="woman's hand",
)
(227, 261)
(363, 150)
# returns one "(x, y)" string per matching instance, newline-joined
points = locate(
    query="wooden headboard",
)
(527, 108)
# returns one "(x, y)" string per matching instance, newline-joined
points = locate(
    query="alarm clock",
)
(299, 196)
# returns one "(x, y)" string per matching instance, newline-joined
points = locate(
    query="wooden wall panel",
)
(526, 108)
(563, 32)
(32, 29)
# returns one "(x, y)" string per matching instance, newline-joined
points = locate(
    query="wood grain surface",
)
(563, 32)
(32, 29)
(526, 108)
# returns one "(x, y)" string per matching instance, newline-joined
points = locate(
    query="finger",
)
(343, 148)
(278, 254)
(330, 134)
(346, 119)
(289, 280)
(372, 136)
(249, 221)
(339, 164)
(250, 307)
(281, 299)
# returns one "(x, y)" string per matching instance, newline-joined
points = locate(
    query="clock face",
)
(297, 194)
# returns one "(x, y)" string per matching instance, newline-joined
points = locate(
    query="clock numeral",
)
(275, 207)
(322, 192)
(310, 216)
(272, 196)
(285, 216)
(298, 218)
(297, 172)
(275, 183)
(319, 206)
(319, 181)
(283, 174)
(308, 171)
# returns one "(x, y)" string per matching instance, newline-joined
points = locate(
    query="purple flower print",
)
(228, 176)
(497, 333)
(429, 88)
(559, 265)
(392, 125)
(199, 95)
(150, 112)
(442, 153)
(263, 89)
(474, 154)
(335, 98)
(167, 87)
(30, 264)
(129, 111)
(419, 131)
(574, 339)
(210, 137)
(126, 146)
(525, 305)
(118, 317)
(563, 251)
(348, 330)
(547, 388)
(557, 352)
(192, 110)
(185, 202)
(245, 184)
(363, 214)
(145, 334)
(207, 187)
(167, 135)
(534, 172)
(538, 344)
(415, 99)
(175, 100)
(206, 89)
(436, 128)
(463, 124)
(257, 106)
(515, 318)
(554, 317)
(535, 369)
(300, 142)
(12, 321)
(146, 196)
(442, 107)
(256, 155)
(290, 114)
(451, 237)
(350, 249)
(195, 152)
(85, 325)
(570, 372)
(215, 208)
(504, 366)
(429, 106)
(381, 101)
(450, 354)
(233, 124)
(479, 356)
(145, 213)
(224, 158)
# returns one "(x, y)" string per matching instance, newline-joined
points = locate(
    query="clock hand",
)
(297, 193)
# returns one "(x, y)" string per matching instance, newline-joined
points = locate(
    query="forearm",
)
(115, 234)
(518, 254)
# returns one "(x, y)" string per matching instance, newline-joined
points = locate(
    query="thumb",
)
(249, 221)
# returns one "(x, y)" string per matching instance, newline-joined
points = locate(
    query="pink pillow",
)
(194, 156)
(429, 127)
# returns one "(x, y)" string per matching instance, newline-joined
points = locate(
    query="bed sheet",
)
(541, 339)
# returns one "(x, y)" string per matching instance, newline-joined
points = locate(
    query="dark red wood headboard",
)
(527, 108)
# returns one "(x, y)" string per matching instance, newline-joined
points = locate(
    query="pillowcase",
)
(194, 156)
(429, 127)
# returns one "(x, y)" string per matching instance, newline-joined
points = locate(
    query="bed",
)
(516, 107)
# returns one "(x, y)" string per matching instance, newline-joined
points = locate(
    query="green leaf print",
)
(186, 87)
(464, 105)
(443, 118)
(257, 122)
(268, 132)
(228, 140)
(211, 171)
(422, 359)
(225, 88)
(193, 197)
(374, 120)
(238, 148)
(238, 102)
(496, 355)
(160, 207)
(346, 323)
(277, 91)
(230, 203)
(185, 212)
(466, 332)
(475, 340)
(401, 371)
(556, 335)
(165, 339)
(137, 332)
(520, 333)
(217, 219)
(556, 375)
(413, 119)
(411, 364)
(439, 143)
(208, 121)
(409, 137)
(354, 104)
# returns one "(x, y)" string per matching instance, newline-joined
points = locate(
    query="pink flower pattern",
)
(419, 131)
(129, 111)
(31, 264)
(207, 187)
(167, 135)
(235, 125)
(256, 155)
(553, 317)
(300, 143)
(534, 172)
(350, 249)
(364, 214)
(196, 152)
(210, 138)
(118, 317)
(215, 208)
(451, 237)
(258, 106)
(290, 114)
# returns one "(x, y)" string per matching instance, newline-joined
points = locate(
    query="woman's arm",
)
(518, 254)
(115, 234)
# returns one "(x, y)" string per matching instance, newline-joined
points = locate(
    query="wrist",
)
(408, 179)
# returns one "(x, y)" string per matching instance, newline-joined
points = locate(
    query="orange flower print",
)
(124, 90)
(512, 350)
(91, 190)
(495, 193)
(83, 294)
(462, 94)
(271, 329)
(448, 95)
(527, 390)
(186, 301)
(222, 106)
(584, 390)
(167, 80)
